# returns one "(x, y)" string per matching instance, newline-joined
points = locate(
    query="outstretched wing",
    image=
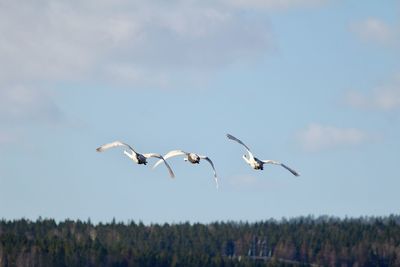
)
(212, 165)
(154, 155)
(114, 144)
(170, 154)
(295, 173)
(240, 142)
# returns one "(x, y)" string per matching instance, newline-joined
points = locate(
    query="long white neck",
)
(246, 159)
(131, 156)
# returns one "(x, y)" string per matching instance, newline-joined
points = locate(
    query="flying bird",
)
(192, 158)
(257, 164)
(135, 156)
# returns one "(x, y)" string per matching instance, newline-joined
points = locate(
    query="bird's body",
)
(141, 159)
(256, 163)
(135, 156)
(191, 157)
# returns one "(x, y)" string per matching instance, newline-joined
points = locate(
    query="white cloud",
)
(21, 103)
(385, 98)
(75, 40)
(380, 99)
(112, 41)
(275, 4)
(50, 40)
(66, 40)
(126, 74)
(319, 137)
(136, 42)
(374, 30)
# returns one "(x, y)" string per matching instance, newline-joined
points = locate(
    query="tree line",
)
(302, 241)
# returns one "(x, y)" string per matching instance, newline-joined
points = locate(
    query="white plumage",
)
(135, 156)
(257, 164)
(192, 158)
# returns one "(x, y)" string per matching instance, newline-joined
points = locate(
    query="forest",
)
(301, 241)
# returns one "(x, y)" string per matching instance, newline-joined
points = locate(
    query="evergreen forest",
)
(302, 241)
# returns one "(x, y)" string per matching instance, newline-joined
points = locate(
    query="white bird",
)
(191, 157)
(135, 156)
(257, 164)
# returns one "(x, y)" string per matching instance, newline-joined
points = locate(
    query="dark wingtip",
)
(291, 170)
(296, 174)
(98, 149)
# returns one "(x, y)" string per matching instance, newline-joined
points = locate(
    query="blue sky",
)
(311, 83)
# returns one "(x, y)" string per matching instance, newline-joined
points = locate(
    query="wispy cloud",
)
(319, 137)
(384, 98)
(83, 40)
(19, 103)
(374, 30)
(105, 41)
(66, 40)
(275, 4)
(136, 42)
(379, 99)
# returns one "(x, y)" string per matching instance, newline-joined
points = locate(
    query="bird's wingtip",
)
(295, 173)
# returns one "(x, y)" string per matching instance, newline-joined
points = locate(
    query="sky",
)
(314, 84)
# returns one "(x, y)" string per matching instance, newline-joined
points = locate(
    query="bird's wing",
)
(295, 173)
(154, 155)
(114, 144)
(170, 154)
(212, 165)
(240, 142)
